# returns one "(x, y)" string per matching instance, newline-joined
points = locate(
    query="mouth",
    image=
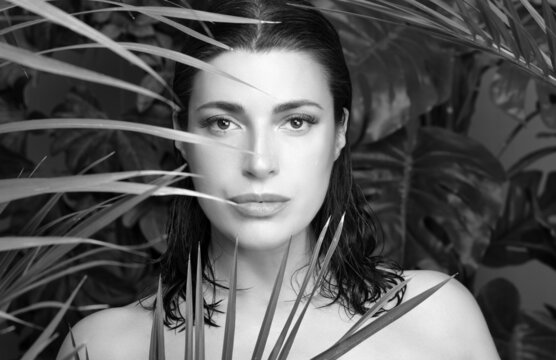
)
(259, 205)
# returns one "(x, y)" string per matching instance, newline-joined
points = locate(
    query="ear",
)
(178, 144)
(341, 134)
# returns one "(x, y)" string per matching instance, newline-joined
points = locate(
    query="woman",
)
(294, 175)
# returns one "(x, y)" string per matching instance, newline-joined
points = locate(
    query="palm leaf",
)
(374, 309)
(164, 53)
(271, 308)
(229, 327)
(8, 243)
(156, 349)
(314, 258)
(199, 314)
(20, 188)
(5, 316)
(14, 291)
(503, 36)
(324, 269)
(73, 343)
(53, 66)
(37, 219)
(548, 16)
(46, 336)
(64, 19)
(56, 305)
(189, 347)
(189, 14)
(162, 19)
(158, 131)
(389, 317)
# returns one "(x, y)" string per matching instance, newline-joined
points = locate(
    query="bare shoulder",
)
(451, 314)
(116, 333)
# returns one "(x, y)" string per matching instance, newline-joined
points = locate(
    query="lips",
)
(258, 198)
(259, 205)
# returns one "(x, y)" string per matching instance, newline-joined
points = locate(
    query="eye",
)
(299, 123)
(219, 125)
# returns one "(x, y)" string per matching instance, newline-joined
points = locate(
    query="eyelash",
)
(209, 122)
(311, 120)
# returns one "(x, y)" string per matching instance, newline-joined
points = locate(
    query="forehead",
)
(281, 75)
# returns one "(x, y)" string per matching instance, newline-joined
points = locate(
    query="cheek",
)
(213, 164)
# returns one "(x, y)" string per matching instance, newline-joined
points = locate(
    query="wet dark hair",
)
(357, 275)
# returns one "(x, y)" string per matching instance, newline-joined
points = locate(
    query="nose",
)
(264, 162)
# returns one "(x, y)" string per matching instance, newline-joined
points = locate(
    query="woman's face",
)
(289, 124)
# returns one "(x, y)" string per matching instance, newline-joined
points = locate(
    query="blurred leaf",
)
(5, 316)
(517, 334)
(524, 231)
(503, 33)
(530, 159)
(13, 163)
(410, 73)
(547, 104)
(438, 201)
(500, 304)
(508, 89)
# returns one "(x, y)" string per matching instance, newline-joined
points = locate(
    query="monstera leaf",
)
(438, 195)
(518, 335)
(527, 229)
(397, 73)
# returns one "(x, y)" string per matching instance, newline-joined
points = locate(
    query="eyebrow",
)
(238, 109)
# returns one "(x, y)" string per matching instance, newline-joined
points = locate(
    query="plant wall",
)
(445, 202)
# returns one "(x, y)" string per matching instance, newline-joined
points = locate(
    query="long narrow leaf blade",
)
(229, 329)
(38, 218)
(64, 19)
(12, 189)
(164, 53)
(77, 123)
(8, 243)
(389, 317)
(53, 66)
(375, 308)
(6, 316)
(271, 308)
(550, 22)
(332, 248)
(189, 14)
(46, 335)
(189, 350)
(156, 348)
(314, 258)
(199, 313)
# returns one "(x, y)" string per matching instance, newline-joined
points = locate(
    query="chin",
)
(264, 234)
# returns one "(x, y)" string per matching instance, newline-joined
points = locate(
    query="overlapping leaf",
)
(438, 200)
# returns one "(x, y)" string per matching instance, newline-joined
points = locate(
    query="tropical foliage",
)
(444, 200)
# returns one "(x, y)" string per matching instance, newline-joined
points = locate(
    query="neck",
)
(257, 268)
